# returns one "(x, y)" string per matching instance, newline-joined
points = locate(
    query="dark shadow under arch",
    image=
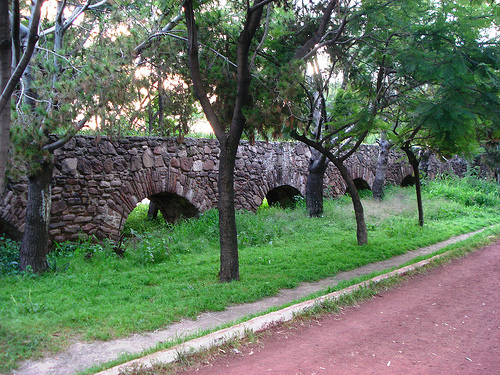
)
(283, 196)
(173, 206)
(9, 231)
(408, 181)
(361, 184)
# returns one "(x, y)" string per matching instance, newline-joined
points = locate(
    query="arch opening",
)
(9, 231)
(173, 207)
(283, 196)
(361, 185)
(409, 180)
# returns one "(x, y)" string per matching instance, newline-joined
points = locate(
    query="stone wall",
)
(99, 181)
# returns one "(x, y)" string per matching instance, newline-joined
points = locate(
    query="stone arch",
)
(9, 231)
(174, 207)
(408, 180)
(283, 196)
(12, 212)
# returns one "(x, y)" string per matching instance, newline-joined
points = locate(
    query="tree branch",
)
(259, 5)
(194, 68)
(69, 134)
(76, 13)
(316, 38)
(174, 22)
(28, 52)
(259, 47)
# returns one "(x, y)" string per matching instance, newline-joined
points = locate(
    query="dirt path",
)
(444, 322)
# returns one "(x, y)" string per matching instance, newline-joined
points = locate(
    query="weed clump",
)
(9, 257)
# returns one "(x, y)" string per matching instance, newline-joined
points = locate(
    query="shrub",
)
(9, 256)
(469, 190)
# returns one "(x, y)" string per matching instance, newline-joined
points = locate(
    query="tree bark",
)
(423, 165)
(383, 157)
(412, 159)
(5, 71)
(152, 210)
(361, 231)
(26, 58)
(314, 185)
(229, 263)
(34, 246)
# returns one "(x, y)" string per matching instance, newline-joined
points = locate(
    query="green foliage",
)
(468, 191)
(139, 222)
(9, 256)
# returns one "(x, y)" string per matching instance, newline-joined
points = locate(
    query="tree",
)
(230, 138)
(357, 52)
(447, 85)
(5, 62)
(59, 96)
(9, 80)
(238, 106)
(383, 157)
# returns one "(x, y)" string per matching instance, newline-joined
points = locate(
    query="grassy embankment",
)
(168, 273)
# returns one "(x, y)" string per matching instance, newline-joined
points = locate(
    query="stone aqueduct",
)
(98, 182)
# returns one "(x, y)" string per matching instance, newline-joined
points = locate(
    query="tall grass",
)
(169, 272)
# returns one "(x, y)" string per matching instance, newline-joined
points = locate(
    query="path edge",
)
(261, 322)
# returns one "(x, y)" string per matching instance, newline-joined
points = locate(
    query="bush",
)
(469, 190)
(9, 256)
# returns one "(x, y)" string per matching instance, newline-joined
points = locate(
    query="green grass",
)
(170, 272)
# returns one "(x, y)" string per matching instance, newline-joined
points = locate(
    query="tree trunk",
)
(412, 159)
(229, 264)
(314, 184)
(361, 231)
(5, 71)
(383, 157)
(34, 245)
(152, 210)
(423, 165)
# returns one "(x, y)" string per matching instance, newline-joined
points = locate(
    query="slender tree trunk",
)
(5, 71)
(152, 210)
(423, 165)
(314, 184)
(229, 264)
(34, 246)
(361, 231)
(383, 157)
(228, 140)
(412, 159)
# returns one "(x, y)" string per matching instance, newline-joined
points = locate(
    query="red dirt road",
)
(444, 322)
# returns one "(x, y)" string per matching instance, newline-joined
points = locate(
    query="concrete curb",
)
(256, 324)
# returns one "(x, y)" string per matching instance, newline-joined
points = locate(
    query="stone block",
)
(107, 148)
(135, 164)
(148, 158)
(197, 166)
(175, 162)
(68, 166)
(209, 165)
(159, 161)
(186, 163)
(82, 219)
(58, 206)
(108, 165)
(71, 229)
